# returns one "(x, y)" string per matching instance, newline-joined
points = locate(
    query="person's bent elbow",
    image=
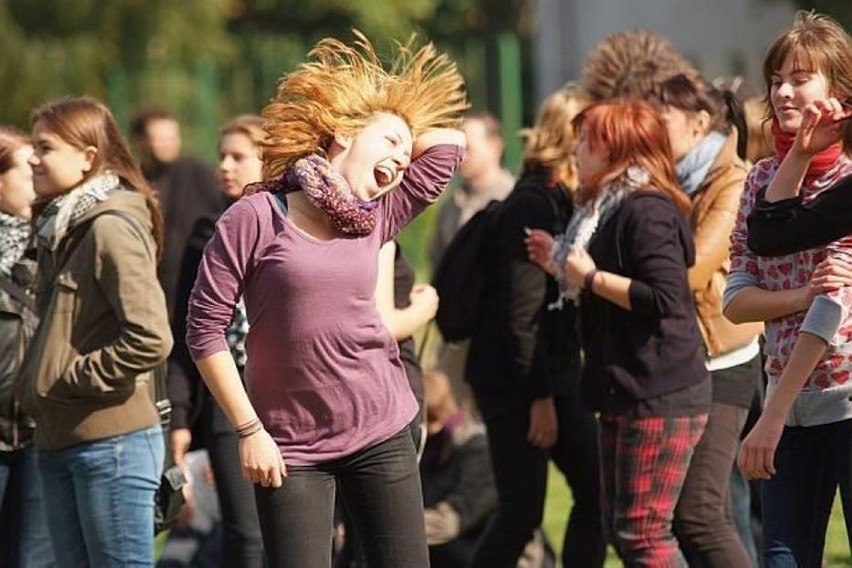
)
(734, 312)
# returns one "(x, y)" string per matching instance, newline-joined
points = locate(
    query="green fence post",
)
(118, 99)
(476, 73)
(511, 97)
(206, 106)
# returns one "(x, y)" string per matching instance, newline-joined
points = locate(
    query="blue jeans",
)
(811, 463)
(24, 540)
(101, 499)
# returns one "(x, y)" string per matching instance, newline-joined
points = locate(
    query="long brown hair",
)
(817, 43)
(83, 122)
(631, 133)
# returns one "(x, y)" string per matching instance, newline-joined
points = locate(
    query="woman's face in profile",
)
(374, 159)
(685, 130)
(239, 163)
(591, 163)
(16, 184)
(58, 166)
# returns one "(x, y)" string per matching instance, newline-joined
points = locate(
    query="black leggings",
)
(520, 471)
(380, 487)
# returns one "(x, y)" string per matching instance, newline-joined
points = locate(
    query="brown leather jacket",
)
(714, 210)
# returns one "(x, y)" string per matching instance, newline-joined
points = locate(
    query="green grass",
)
(837, 554)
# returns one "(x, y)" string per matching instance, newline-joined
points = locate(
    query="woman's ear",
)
(342, 140)
(89, 155)
(702, 121)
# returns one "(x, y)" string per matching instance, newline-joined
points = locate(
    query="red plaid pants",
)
(643, 466)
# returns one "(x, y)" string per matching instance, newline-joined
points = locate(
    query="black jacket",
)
(17, 325)
(788, 226)
(187, 391)
(656, 348)
(188, 191)
(519, 347)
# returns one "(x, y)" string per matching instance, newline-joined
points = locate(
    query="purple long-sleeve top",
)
(323, 372)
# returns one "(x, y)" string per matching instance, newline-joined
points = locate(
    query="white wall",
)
(719, 36)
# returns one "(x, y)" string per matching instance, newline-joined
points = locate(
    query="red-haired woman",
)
(624, 259)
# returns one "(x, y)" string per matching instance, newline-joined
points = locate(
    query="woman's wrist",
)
(589, 279)
(249, 428)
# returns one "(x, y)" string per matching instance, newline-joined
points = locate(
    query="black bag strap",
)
(19, 294)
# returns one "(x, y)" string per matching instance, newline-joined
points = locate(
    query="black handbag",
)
(169, 497)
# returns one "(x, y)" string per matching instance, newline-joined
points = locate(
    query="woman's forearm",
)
(806, 354)
(612, 287)
(756, 304)
(789, 177)
(223, 379)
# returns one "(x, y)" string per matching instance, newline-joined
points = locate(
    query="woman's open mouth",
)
(384, 176)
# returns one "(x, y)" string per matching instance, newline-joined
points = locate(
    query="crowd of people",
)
(647, 276)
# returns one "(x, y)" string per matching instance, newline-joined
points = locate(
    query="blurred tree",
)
(50, 48)
(380, 20)
(841, 10)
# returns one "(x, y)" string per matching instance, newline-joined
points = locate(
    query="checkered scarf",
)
(14, 236)
(64, 211)
(584, 225)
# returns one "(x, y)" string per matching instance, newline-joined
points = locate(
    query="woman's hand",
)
(757, 453)
(261, 460)
(539, 244)
(577, 265)
(544, 424)
(829, 275)
(180, 440)
(424, 300)
(822, 125)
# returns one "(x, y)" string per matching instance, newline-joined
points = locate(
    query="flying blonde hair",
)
(342, 86)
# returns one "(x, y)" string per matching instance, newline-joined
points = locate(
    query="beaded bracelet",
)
(589, 279)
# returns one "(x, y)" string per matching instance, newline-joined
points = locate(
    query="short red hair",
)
(631, 133)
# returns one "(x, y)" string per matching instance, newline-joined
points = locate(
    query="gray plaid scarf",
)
(64, 211)
(14, 235)
(585, 223)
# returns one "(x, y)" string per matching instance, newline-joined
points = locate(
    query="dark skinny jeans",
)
(380, 487)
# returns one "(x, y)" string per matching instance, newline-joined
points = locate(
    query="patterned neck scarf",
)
(328, 191)
(584, 225)
(14, 235)
(64, 211)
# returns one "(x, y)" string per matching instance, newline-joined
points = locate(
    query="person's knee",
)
(705, 526)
